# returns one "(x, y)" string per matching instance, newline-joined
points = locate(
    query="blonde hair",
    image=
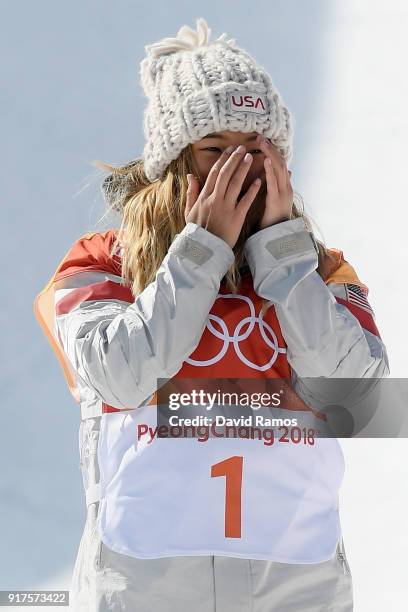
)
(153, 213)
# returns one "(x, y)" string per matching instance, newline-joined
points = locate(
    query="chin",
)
(250, 226)
(254, 215)
(252, 220)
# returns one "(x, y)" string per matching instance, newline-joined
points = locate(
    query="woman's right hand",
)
(216, 208)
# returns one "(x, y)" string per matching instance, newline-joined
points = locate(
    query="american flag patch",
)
(358, 295)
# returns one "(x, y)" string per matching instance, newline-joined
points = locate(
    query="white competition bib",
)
(225, 496)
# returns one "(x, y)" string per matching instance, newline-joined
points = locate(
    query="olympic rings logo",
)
(236, 338)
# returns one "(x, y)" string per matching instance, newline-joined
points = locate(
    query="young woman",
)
(214, 273)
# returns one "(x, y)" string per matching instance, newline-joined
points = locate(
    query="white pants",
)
(105, 580)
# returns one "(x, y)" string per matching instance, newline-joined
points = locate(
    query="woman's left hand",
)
(279, 198)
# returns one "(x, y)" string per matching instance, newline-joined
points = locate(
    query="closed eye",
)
(218, 149)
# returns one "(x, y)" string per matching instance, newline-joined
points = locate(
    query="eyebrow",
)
(214, 135)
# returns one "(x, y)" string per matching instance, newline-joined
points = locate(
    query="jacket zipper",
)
(344, 561)
(98, 556)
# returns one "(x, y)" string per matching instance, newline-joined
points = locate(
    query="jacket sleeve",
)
(326, 336)
(119, 345)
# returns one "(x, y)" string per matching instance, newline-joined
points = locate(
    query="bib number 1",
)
(231, 468)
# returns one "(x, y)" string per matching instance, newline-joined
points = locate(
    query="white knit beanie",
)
(196, 87)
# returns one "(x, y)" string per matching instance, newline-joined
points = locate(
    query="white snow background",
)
(71, 94)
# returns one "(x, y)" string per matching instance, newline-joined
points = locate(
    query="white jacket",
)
(117, 347)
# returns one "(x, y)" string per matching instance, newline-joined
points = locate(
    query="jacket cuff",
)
(204, 249)
(280, 257)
